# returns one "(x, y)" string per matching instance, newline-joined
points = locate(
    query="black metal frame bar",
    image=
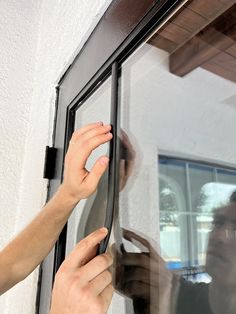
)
(112, 171)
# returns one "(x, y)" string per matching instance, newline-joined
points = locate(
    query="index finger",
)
(88, 127)
(86, 249)
(82, 145)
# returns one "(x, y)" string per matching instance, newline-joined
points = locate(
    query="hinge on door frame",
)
(49, 162)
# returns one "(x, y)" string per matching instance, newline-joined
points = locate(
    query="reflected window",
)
(189, 193)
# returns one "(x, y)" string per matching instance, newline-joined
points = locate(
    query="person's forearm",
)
(30, 247)
(33, 244)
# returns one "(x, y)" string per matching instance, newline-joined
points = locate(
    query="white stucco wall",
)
(39, 38)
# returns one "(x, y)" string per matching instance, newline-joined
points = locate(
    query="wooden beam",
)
(215, 38)
(192, 18)
(175, 33)
(209, 8)
(163, 43)
(232, 50)
(198, 51)
(223, 65)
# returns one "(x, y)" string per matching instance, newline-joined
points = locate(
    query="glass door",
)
(174, 212)
(174, 229)
(174, 233)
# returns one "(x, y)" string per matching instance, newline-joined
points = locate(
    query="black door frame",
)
(125, 24)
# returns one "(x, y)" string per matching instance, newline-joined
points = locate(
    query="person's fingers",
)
(106, 296)
(96, 131)
(124, 139)
(96, 266)
(85, 249)
(85, 133)
(127, 145)
(77, 134)
(144, 261)
(89, 131)
(99, 283)
(135, 259)
(96, 172)
(136, 289)
(88, 127)
(80, 151)
(135, 239)
(130, 236)
(137, 274)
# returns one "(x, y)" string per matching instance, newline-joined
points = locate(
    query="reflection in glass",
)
(175, 185)
(174, 232)
(202, 194)
(200, 175)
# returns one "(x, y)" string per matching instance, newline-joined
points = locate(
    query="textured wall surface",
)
(18, 32)
(38, 41)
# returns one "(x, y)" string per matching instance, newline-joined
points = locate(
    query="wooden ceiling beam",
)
(209, 9)
(198, 51)
(223, 65)
(214, 39)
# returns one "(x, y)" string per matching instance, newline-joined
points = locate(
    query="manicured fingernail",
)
(100, 122)
(104, 160)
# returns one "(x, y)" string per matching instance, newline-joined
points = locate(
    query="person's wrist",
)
(67, 196)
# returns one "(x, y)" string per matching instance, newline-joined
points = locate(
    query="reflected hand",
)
(143, 276)
(127, 158)
(78, 182)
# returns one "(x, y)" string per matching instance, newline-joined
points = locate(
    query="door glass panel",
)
(89, 214)
(175, 226)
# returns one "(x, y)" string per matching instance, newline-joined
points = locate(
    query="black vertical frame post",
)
(112, 171)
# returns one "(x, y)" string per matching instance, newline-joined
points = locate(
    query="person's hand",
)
(83, 283)
(127, 160)
(78, 182)
(143, 276)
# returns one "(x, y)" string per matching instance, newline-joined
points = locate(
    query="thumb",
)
(97, 171)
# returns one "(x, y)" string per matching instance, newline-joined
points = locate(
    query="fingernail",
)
(100, 122)
(104, 160)
(103, 229)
